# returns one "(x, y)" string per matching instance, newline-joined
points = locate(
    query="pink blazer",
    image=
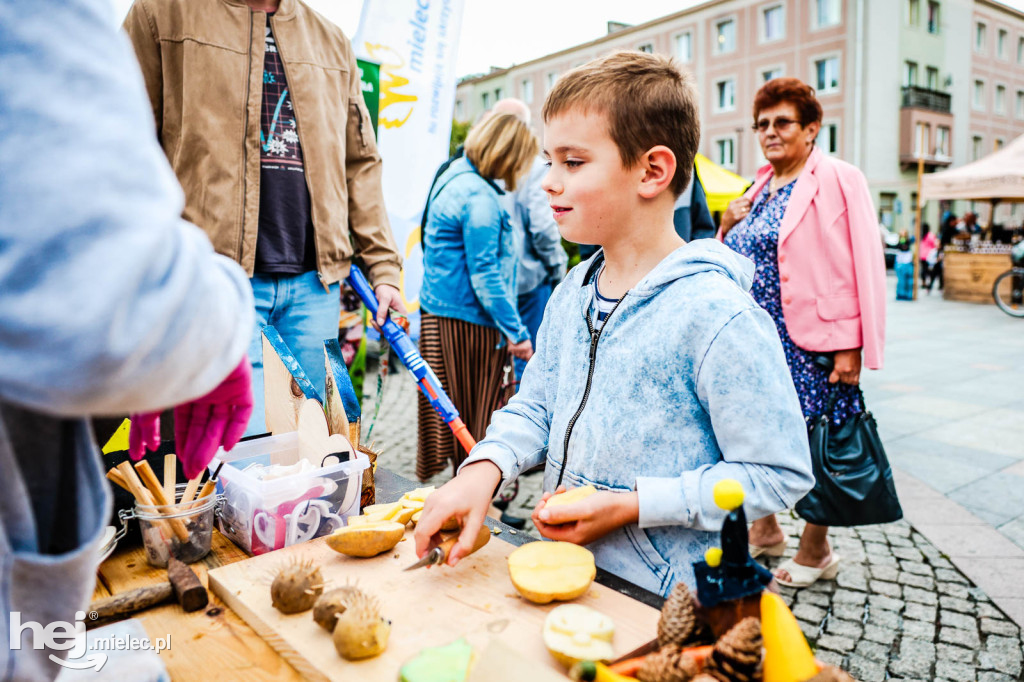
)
(831, 266)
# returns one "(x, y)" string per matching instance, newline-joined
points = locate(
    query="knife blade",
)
(439, 555)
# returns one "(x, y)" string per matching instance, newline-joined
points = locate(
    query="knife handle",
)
(482, 537)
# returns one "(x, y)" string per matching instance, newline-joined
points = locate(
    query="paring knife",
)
(439, 555)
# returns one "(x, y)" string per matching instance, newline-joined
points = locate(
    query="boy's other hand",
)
(591, 518)
(522, 350)
(467, 497)
(737, 211)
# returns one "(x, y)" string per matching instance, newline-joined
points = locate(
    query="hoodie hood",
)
(693, 258)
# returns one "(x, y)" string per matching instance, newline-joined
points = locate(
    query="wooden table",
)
(970, 276)
(215, 643)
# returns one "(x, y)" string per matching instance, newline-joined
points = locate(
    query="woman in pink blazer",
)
(809, 225)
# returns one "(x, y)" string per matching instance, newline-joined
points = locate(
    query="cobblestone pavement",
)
(899, 609)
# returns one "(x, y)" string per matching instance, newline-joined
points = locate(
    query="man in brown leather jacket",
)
(259, 109)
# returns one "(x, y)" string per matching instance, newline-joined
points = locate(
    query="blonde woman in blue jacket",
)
(470, 323)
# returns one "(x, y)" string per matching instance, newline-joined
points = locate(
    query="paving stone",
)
(950, 652)
(957, 620)
(881, 601)
(823, 586)
(978, 594)
(852, 580)
(836, 643)
(830, 657)
(883, 618)
(876, 633)
(957, 590)
(962, 672)
(885, 587)
(849, 597)
(968, 638)
(989, 611)
(920, 612)
(872, 650)
(882, 560)
(915, 659)
(810, 613)
(899, 529)
(919, 629)
(947, 575)
(908, 553)
(810, 630)
(813, 598)
(844, 628)
(865, 669)
(887, 573)
(923, 581)
(999, 626)
(848, 612)
(1002, 654)
(917, 568)
(941, 562)
(873, 537)
(986, 676)
(897, 541)
(955, 604)
(918, 595)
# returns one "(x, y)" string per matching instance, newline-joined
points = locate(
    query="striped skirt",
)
(471, 368)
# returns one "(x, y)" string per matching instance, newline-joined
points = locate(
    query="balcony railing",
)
(923, 98)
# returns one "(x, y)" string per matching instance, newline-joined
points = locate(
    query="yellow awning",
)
(720, 185)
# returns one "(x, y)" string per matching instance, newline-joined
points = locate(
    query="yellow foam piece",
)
(728, 494)
(119, 441)
(713, 556)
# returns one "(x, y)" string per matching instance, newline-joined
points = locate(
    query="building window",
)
(1020, 50)
(646, 47)
(726, 100)
(1020, 104)
(977, 148)
(498, 94)
(933, 17)
(922, 131)
(979, 95)
(552, 77)
(1000, 105)
(933, 78)
(774, 23)
(913, 12)
(979, 37)
(942, 142)
(460, 115)
(485, 99)
(909, 73)
(1001, 44)
(827, 75)
(769, 74)
(527, 90)
(828, 138)
(999, 143)
(726, 36)
(725, 151)
(886, 208)
(684, 47)
(827, 13)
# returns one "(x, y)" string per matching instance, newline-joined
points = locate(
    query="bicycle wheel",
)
(1008, 292)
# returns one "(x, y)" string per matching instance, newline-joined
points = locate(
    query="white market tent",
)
(1000, 175)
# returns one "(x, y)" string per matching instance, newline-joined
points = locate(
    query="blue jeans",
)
(904, 281)
(531, 312)
(306, 315)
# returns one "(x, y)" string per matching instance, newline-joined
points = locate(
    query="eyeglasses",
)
(779, 124)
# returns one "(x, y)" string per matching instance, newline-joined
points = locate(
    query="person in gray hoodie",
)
(109, 302)
(656, 374)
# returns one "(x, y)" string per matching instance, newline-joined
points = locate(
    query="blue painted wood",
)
(337, 373)
(273, 337)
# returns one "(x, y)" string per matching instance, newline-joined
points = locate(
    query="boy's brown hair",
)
(647, 99)
(501, 148)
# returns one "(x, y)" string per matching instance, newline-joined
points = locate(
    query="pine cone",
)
(667, 664)
(678, 617)
(737, 654)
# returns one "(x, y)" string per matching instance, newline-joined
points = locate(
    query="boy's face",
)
(591, 192)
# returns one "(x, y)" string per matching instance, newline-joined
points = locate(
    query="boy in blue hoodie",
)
(655, 373)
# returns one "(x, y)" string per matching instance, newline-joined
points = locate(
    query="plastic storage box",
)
(263, 515)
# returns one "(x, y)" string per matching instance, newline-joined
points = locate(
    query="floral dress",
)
(757, 238)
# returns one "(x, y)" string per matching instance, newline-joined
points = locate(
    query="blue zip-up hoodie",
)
(470, 252)
(688, 385)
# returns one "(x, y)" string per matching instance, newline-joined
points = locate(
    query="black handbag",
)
(853, 483)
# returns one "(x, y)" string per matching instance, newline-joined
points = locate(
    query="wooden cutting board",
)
(427, 607)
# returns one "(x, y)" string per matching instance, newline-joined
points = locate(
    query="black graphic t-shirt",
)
(284, 243)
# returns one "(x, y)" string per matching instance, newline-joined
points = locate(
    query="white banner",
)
(416, 43)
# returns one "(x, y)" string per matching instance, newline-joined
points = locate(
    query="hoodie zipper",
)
(595, 336)
(245, 141)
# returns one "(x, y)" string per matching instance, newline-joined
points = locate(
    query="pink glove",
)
(217, 419)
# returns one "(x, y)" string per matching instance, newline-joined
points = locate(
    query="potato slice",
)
(547, 571)
(420, 494)
(366, 540)
(573, 632)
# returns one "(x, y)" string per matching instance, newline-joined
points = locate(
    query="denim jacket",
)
(688, 385)
(541, 257)
(470, 253)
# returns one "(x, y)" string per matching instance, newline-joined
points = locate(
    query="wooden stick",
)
(190, 489)
(115, 476)
(210, 486)
(131, 479)
(153, 483)
(170, 476)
